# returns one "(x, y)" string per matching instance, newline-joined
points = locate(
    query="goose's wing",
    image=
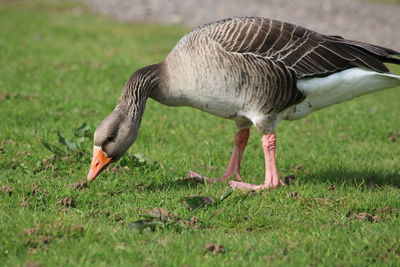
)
(307, 52)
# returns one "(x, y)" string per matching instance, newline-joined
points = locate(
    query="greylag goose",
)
(254, 71)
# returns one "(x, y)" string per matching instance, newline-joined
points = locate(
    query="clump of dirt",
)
(9, 142)
(41, 236)
(25, 203)
(196, 202)
(297, 167)
(46, 164)
(294, 195)
(162, 214)
(31, 231)
(363, 217)
(159, 217)
(35, 189)
(289, 179)
(66, 202)
(117, 169)
(214, 248)
(33, 264)
(193, 177)
(163, 241)
(393, 138)
(192, 221)
(76, 229)
(99, 213)
(80, 185)
(389, 212)
(6, 189)
(38, 241)
(4, 96)
(189, 180)
(118, 217)
(331, 187)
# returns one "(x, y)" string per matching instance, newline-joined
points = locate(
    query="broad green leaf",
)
(53, 148)
(70, 145)
(82, 131)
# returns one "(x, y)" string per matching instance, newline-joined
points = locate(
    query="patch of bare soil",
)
(35, 190)
(296, 168)
(117, 169)
(117, 217)
(388, 212)
(9, 142)
(25, 203)
(159, 217)
(46, 164)
(99, 213)
(196, 202)
(193, 177)
(214, 248)
(364, 217)
(193, 221)
(375, 215)
(40, 236)
(6, 189)
(393, 138)
(294, 195)
(33, 264)
(80, 185)
(289, 179)
(66, 202)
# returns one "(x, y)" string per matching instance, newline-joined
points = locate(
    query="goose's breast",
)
(206, 78)
(215, 92)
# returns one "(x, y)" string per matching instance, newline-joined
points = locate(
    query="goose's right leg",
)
(233, 168)
(271, 172)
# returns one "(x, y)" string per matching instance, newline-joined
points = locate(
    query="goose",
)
(254, 71)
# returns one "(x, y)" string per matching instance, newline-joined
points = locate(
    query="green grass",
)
(63, 66)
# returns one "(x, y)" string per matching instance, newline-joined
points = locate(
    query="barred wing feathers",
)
(309, 53)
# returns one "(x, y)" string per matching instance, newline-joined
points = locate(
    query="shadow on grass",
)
(365, 179)
(338, 177)
(173, 184)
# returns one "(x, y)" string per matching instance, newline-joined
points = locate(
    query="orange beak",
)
(100, 161)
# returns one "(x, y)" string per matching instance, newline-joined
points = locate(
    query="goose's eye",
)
(110, 139)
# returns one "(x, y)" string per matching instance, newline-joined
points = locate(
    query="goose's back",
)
(308, 52)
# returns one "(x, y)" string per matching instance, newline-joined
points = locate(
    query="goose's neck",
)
(137, 90)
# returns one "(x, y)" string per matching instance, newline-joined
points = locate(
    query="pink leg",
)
(271, 173)
(233, 167)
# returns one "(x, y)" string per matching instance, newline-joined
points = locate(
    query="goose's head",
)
(112, 138)
(117, 132)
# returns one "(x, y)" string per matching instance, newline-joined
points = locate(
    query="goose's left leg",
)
(271, 173)
(233, 168)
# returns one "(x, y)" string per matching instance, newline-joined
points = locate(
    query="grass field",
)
(62, 66)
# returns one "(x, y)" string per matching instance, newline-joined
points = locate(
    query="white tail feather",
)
(339, 87)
